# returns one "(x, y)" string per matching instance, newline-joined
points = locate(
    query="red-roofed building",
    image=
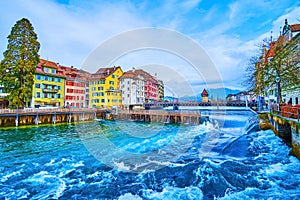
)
(49, 85)
(132, 85)
(104, 89)
(75, 87)
(204, 96)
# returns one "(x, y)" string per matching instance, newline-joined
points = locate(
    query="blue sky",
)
(69, 30)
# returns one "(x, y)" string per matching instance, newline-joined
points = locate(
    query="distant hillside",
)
(221, 93)
(216, 93)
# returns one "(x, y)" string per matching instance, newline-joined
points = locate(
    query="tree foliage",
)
(285, 66)
(260, 76)
(19, 63)
(249, 78)
(251, 73)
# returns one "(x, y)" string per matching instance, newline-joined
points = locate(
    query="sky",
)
(227, 32)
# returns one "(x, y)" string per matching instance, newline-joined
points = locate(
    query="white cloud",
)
(69, 33)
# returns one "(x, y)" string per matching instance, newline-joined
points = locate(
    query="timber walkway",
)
(35, 116)
(163, 116)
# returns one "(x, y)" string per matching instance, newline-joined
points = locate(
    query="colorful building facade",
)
(161, 89)
(290, 38)
(104, 88)
(132, 86)
(49, 86)
(75, 90)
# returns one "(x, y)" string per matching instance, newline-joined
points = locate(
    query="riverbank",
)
(285, 128)
(57, 161)
(10, 118)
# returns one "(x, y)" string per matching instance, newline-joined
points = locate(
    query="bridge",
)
(216, 104)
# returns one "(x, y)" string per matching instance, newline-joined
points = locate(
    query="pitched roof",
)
(204, 93)
(136, 73)
(47, 63)
(295, 27)
(102, 73)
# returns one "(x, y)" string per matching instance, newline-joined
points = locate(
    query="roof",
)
(136, 73)
(204, 93)
(48, 63)
(102, 73)
(295, 27)
(61, 71)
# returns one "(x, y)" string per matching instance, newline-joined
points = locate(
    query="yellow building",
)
(49, 85)
(104, 88)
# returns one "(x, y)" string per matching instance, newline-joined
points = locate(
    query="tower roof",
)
(204, 93)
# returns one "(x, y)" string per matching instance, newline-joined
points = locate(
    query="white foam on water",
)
(65, 172)
(7, 176)
(51, 163)
(129, 196)
(171, 193)
(60, 190)
(52, 185)
(79, 164)
(121, 166)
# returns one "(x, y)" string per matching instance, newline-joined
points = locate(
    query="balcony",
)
(50, 90)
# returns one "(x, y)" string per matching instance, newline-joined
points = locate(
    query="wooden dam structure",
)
(9, 118)
(22, 117)
(163, 116)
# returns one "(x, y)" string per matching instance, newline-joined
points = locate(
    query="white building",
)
(132, 85)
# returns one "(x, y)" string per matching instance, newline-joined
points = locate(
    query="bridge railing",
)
(287, 111)
(160, 112)
(47, 110)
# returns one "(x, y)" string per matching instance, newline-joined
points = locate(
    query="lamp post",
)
(277, 83)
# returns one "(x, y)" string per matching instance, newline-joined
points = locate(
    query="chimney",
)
(133, 70)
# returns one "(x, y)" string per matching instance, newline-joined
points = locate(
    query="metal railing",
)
(47, 110)
(160, 112)
(287, 111)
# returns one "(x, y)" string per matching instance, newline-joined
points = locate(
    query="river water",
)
(226, 158)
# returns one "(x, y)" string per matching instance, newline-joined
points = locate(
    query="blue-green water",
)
(131, 160)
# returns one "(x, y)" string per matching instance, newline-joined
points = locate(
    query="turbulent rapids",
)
(229, 158)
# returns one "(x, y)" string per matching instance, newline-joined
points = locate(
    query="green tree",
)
(19, 63)
(284, 66)
(252, 79)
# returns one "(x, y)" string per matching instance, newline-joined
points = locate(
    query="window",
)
(38, 77)
(46, 69)
(46, 78)
(113, 76)
(46, 95)
(37, 85)
(102, 81)
(58, 80)
(53, 71)
(53, 79)
(111, 82)
(100, 88)
(58, 96)
(38, 95)
(103, 100)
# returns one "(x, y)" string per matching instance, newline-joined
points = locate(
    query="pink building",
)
(75, 87)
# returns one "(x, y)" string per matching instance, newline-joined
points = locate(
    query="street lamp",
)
(278, 98)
